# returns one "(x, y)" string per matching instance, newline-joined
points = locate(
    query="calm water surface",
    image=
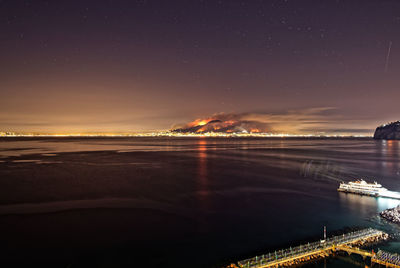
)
(113, 202)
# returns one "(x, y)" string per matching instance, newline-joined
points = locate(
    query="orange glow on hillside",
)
(201, 129)
(199, 122)
(203, 122)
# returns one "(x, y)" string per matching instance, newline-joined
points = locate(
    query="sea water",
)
(179, 202)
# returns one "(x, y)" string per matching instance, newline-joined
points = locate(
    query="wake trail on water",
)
(326, 170)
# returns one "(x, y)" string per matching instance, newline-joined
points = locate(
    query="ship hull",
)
(358, 192)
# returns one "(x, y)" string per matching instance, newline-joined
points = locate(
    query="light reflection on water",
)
(254, 194)
(366, 205)
(389, 154)
(385, 203)
(203, 191)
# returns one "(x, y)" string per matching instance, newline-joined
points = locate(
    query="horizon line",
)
(175, 134)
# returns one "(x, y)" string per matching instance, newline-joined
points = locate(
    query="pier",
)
(349, 242)
(386, 258)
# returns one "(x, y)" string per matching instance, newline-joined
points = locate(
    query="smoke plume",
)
(226, 123)
(321, 120)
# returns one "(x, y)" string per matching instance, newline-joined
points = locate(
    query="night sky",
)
(127, 66)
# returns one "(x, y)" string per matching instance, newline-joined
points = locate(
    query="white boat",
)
(362, 187)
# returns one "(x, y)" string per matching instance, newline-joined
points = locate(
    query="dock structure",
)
(386, 258)
(346, 242)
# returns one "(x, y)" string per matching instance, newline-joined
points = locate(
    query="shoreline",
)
(391, 214)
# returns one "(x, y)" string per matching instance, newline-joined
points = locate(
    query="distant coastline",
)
(175, 134)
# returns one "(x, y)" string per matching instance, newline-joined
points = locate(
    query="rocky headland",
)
(388, 131)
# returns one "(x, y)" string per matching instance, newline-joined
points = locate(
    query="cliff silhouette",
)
(389, 131)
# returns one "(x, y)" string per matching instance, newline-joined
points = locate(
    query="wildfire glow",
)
(221, 123)
(199, 122)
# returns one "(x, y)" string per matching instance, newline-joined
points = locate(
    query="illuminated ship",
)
(362, 187)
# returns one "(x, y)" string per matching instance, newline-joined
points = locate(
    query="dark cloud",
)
(339, 130)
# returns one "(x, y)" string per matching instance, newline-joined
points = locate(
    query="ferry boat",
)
(362, 187)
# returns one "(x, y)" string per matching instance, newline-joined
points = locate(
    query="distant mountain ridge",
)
(389, 131)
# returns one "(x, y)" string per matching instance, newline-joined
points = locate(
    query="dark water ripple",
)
(79, 202)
